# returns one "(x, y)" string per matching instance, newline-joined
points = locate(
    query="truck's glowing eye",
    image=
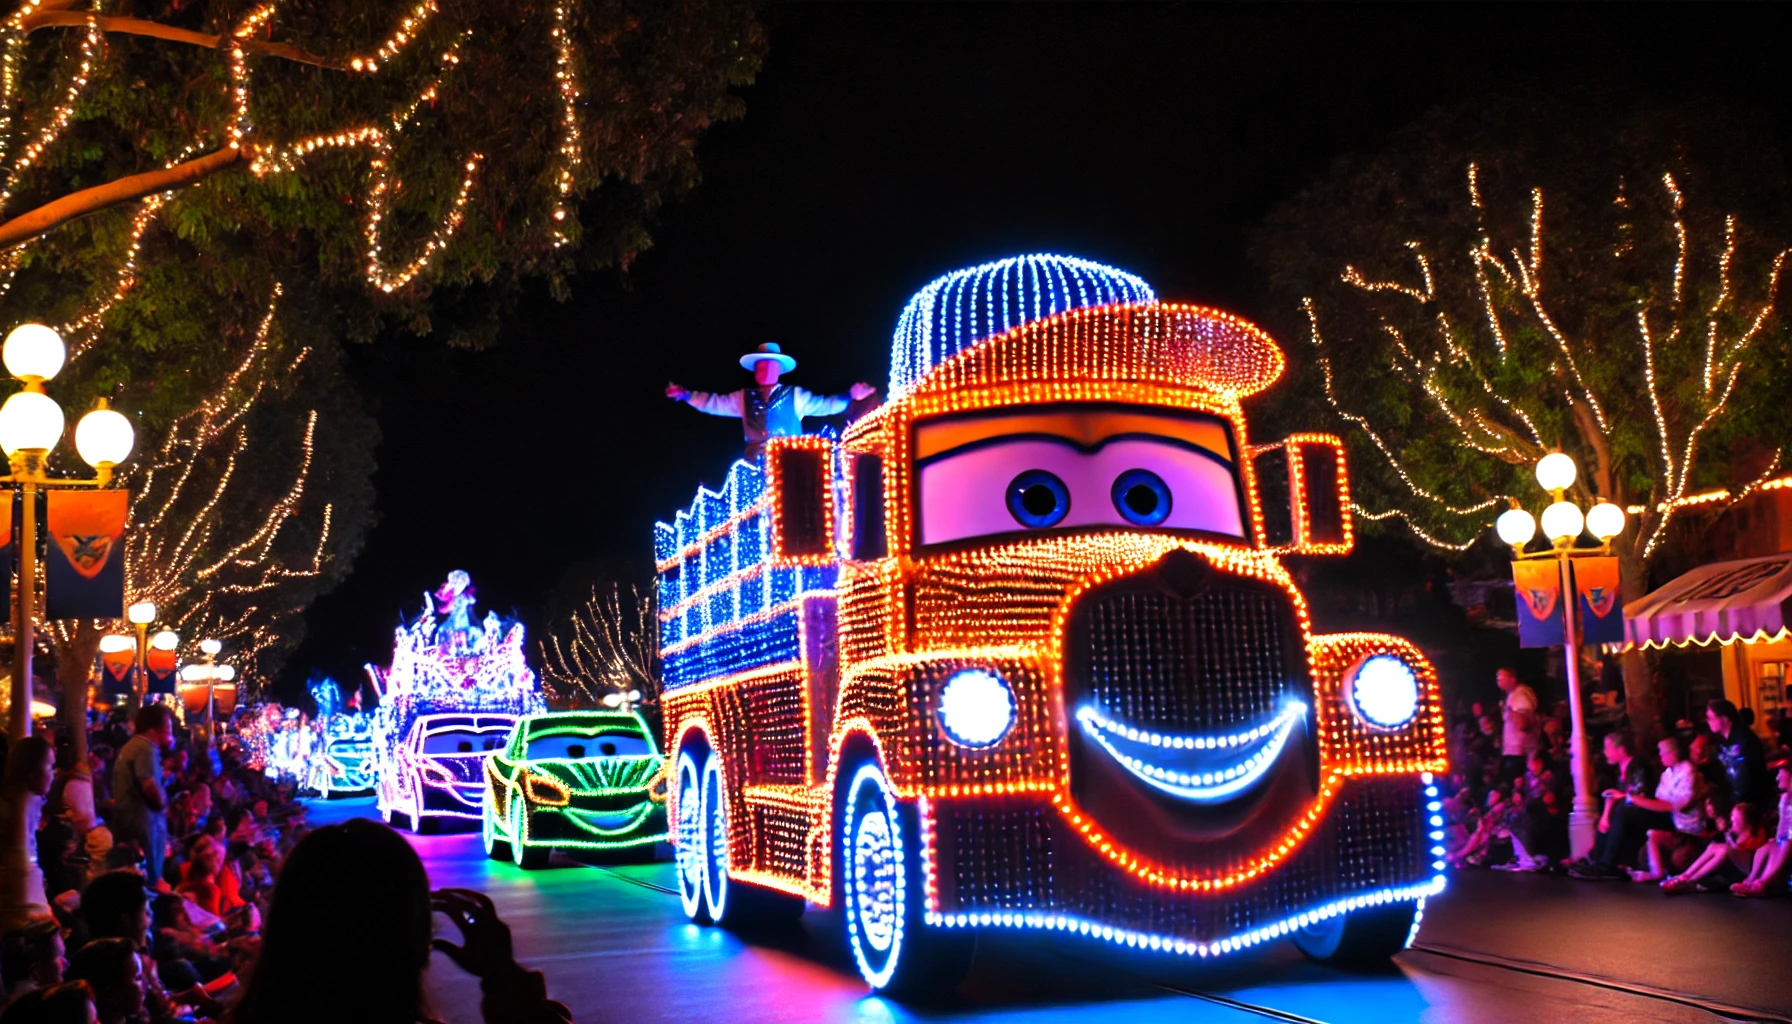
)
(1383, 690)
(1141, 497)
(976, 707)
(1038, 499)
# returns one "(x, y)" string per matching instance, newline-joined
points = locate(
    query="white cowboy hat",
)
(771, 351)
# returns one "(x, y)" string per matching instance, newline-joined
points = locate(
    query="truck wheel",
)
(688, 835)
(714, 793)
(495, 848)
(1360, 938)
(398, 819)
(884, 902)
(733, 904)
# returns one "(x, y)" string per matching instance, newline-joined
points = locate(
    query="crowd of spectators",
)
(169, 881)
(1707, 809)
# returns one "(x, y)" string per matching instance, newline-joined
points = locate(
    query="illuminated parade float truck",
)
(448, 702)
(575, 780)
(1019, 651)
(340, 761)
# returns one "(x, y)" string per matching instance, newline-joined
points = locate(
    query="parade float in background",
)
(450, 698)
(341, 759)
(1020, 652)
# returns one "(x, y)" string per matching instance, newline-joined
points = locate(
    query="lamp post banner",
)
(1538, 586)
(1601, 618)
(84, 574)
(8, 544)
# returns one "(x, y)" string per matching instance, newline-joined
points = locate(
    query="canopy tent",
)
(1745, 601)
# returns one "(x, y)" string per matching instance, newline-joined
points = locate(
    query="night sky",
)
(881, 147)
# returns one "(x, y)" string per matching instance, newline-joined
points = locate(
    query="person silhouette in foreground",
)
(348, 938)
(769, 409)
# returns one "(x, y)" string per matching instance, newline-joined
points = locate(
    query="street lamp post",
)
(31, 424)
(1563, 523)
(209, 672)
(142, 615)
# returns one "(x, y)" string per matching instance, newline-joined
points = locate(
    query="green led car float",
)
(574, 780)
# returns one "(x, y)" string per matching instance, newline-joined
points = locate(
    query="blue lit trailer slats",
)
(725, 607)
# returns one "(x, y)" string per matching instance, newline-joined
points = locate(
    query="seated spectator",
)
(209, 881)
(57, 857)
(1623, 826)
(1768, 875)
(1493, 826)
(1703, 755)
(1669, 850)
(1538, 827)
(68, 1003)
(114, 970)
(31, 958)
(1739, 751)
(1726, 861)
(363, 873)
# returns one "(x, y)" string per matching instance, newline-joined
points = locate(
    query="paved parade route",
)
(616, 948)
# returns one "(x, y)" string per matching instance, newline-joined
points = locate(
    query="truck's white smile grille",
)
(1201, 768)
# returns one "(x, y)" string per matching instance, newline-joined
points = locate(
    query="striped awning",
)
(1726, 602)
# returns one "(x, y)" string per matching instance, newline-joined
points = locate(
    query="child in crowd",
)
(1768, 876)
(1727, 861)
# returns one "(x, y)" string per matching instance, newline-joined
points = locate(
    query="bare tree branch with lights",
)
(1493, 288)
(608, 648)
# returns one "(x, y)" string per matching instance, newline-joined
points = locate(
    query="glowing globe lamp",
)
(142, 613)
(1556, 472)
(30, 421)
(210, 647)
(166, 640)
(976, 707)
(1516, 527)
(115, 643)
(1605, 520)
(1383, 691)
(104, 437)
(1562, 521)
(33, 352)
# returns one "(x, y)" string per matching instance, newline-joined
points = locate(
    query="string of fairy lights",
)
(1512, 286)
(178, 520)
(267, 157)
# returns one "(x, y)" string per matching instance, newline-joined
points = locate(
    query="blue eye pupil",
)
(1038, 499)
(1141, 497)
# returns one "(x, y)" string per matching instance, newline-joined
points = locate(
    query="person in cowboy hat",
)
(770, 409)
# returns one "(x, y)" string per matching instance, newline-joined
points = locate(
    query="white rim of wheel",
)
(715, 845)
(488, 827)
(688, 837)
(876, 877)
(517, 847)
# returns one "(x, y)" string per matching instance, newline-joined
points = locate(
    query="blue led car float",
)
(449, 701)
(340, 761)
(574, 780)
(1019, 650)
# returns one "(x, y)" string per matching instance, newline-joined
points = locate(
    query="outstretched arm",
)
(711, 402)
(809, 403)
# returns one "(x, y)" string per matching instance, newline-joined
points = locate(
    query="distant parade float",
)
(1019, 650)
(449, 700)
(575, 780)
(341, 760)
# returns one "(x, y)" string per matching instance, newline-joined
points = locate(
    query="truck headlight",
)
(976, 707)
(1383, 691)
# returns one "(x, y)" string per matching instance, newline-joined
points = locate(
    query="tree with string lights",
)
(207, 199)
(607, 651)
(1511, 279)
